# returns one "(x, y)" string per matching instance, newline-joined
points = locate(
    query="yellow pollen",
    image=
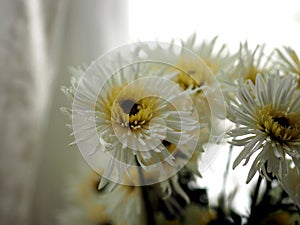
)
(279, 126)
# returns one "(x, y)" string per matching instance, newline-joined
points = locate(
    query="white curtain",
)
(39, 39)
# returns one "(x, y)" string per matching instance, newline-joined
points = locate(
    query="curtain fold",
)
(24, 87)
(39, 39)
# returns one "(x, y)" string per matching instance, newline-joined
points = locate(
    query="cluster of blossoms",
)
(143, 116)
(265, 109)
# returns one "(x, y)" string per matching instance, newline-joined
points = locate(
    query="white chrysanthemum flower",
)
(289, 62)
(291, 184)
(134, 111)
(202, 70)
(192, 72)
(249, 63)
(142, 118)
(196, 74)
(199, 67)
(194, 63)
(82, 194)
(267, 118)
(193, 76)
(217, 59)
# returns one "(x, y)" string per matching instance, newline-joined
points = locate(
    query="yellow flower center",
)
(279, 126)
(192, 74)
(251, 74)
(134, 113)
(124, 107)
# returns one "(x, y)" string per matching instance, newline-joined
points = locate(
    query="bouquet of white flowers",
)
(148, 118)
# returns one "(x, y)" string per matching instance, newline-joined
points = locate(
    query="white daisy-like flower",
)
(128, 112)
(291, 184)
(195, 74)
(267, 118)
(194, 63)
(249, 63)
(217, 59)
(210, 100)
(192, 72)
(288, 61)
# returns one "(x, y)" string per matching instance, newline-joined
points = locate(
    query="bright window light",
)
(275, 23)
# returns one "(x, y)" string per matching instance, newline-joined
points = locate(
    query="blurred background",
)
(40, 39)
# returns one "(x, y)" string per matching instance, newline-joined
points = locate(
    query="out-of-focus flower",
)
(195, 63)
(291, 184)
(267, 118)
(82, 195)
(279, 217)
(197, 215)
(125, 202)
(194, 76)
(192, 72)
(249, 63)
(289, 62)
(203, 70)
(217, 59)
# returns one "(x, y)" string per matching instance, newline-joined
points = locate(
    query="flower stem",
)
(256, 192)
(148, 208)
(225, 177)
